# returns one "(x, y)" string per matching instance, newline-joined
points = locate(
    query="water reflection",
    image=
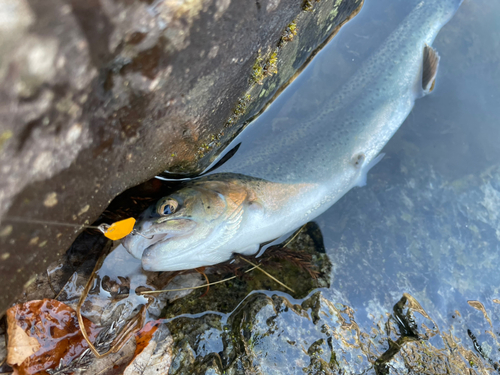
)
(428, 223)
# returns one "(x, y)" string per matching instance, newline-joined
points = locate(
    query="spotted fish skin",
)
(359, 118)
(278, 188)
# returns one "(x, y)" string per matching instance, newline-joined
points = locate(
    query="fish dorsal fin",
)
(429, 69)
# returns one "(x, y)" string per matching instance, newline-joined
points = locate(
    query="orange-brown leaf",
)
(54, 326)
(143, 337)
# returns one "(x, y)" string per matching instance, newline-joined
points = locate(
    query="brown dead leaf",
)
(53, 326)
(20, 346)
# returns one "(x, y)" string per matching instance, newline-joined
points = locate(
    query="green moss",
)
(4, 137)
(213, 141)
(333, 360)
(265, 68)
(238, 111)
(308, 5)
(183, 166)
(242, 105)
(333, 13)
(258, 70)
(272, 64)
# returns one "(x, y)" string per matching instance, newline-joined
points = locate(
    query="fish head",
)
(185, 230)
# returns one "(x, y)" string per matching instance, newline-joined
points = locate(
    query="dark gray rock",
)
(273, 334)
(98, 96)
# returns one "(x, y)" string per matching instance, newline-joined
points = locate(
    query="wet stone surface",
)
(274, 334)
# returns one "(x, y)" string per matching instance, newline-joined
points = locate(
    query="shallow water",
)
(428, 221)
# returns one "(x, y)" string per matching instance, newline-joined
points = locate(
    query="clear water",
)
(428, 222)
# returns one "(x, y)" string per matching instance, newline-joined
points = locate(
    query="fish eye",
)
(166, 206)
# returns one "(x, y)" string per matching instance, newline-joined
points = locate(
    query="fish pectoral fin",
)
(249, 250)
(429, 68)
(365, 168)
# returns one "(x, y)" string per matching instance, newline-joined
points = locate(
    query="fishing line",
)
(115, 231)
(46, 222)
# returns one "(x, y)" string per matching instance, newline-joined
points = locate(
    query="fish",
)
(277, 187)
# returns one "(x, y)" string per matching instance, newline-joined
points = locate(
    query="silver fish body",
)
(277, 190)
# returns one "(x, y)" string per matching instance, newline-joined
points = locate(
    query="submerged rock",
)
(271, 333)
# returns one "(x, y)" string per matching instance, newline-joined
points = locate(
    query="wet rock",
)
(155, 357)
(272, 333)
(192, 352)
(412, 320)
(99, 96)
(267, 334)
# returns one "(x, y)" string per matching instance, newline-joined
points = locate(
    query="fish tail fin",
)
(429, 69)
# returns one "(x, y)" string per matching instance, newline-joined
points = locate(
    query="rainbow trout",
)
(277, 189)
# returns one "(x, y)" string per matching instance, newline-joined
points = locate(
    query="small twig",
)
(267, 274)
(202, 271)
(125, 333)
(85, 292)
(193, 287)
(294, 236)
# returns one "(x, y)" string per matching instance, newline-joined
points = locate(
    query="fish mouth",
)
(153, 234)
(175, 256)
(161, 238)
(180, 251)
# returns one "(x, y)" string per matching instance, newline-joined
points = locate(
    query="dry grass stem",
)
(294, 236)
(268, 275)
(194, 287)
